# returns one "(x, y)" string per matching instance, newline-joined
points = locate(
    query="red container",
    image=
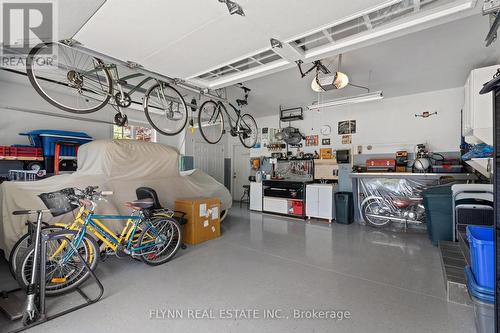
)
(4, 150)
(298, 207)
(25, 151)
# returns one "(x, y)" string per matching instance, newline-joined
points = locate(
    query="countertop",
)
(412, 175)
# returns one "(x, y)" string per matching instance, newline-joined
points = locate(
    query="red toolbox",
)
(384, 164)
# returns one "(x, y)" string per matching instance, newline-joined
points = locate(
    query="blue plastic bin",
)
(47, 139)
(482, 255)
(483, 300)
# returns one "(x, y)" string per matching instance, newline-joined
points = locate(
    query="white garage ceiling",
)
(186, 39)
(437, 58)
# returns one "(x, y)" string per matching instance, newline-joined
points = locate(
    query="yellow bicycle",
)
(152, 236)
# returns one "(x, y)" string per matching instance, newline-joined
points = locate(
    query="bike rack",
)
(43, 317)
(140, 70)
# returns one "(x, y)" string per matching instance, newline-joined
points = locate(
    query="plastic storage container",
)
(438, 202)
(344, 207)
(482, 255)
(48, 138)
(484, 304)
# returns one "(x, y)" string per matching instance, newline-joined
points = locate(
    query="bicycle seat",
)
(140, 204)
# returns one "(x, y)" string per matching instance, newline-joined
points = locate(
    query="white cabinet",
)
(275, 205)
(256, 196)
(319, 201)
(477, 124)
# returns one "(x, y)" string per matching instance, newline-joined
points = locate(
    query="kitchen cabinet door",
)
(325, 203)
(311, 200)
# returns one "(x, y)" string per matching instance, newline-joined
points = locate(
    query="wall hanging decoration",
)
(346, 139)
(325, 153)
(347, 127)
(291, 114)
(312, 140)
(325, 142)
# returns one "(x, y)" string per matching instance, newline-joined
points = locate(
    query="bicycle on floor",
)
(211, 122)
(80, 83)
(153, 237)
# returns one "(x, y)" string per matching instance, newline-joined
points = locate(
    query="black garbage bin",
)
(344, 207)
(439, 213)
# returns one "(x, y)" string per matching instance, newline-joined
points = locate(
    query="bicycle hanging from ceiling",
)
(81, 81)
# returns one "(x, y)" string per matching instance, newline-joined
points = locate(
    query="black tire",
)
(20, 247)
(374, 222)
(173, 231)
(246, 119)
(220, 113)
(147, 109)
(23, 271)
(34, 83)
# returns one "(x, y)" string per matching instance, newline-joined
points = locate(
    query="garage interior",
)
(238, 166)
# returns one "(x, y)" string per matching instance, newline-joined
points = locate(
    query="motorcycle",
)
(379, 211)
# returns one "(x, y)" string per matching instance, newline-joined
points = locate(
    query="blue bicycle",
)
(153, 236)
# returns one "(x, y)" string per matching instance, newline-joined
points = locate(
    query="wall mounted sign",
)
(325, 142)
(346, 139)
(347, 127)
(311, 140)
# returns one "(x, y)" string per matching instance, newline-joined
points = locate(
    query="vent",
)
(392, 12)
(256, 60)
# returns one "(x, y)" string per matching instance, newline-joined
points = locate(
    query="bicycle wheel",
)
(211, 121)
(165, 109)
(248, 130)
(161, 241)
(22, 244)
(74, 81)
(64, 270)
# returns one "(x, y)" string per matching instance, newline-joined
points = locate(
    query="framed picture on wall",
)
(347, 127)
(325, 142)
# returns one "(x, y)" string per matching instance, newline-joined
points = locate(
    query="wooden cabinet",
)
(319, 201)
(477, 120)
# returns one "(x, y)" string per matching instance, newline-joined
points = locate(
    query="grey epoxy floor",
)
(389, 282)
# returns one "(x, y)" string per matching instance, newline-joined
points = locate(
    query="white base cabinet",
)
(256, 196)
(320, 201)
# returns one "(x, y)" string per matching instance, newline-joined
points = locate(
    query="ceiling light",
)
(337, 81)
(233, 7)
(349, 100)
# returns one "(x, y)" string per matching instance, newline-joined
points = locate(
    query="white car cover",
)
(120, 166)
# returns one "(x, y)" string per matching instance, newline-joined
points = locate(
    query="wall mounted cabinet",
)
(477, 120)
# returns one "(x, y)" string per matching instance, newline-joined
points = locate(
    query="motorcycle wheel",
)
(372, 207)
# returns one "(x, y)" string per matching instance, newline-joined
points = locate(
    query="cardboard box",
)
(203, 219)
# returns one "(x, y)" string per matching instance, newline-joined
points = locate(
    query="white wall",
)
(389, 124)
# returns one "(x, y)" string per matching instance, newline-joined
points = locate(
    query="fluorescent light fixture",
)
(349, 100)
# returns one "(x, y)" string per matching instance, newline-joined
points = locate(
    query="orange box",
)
(203, 219)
